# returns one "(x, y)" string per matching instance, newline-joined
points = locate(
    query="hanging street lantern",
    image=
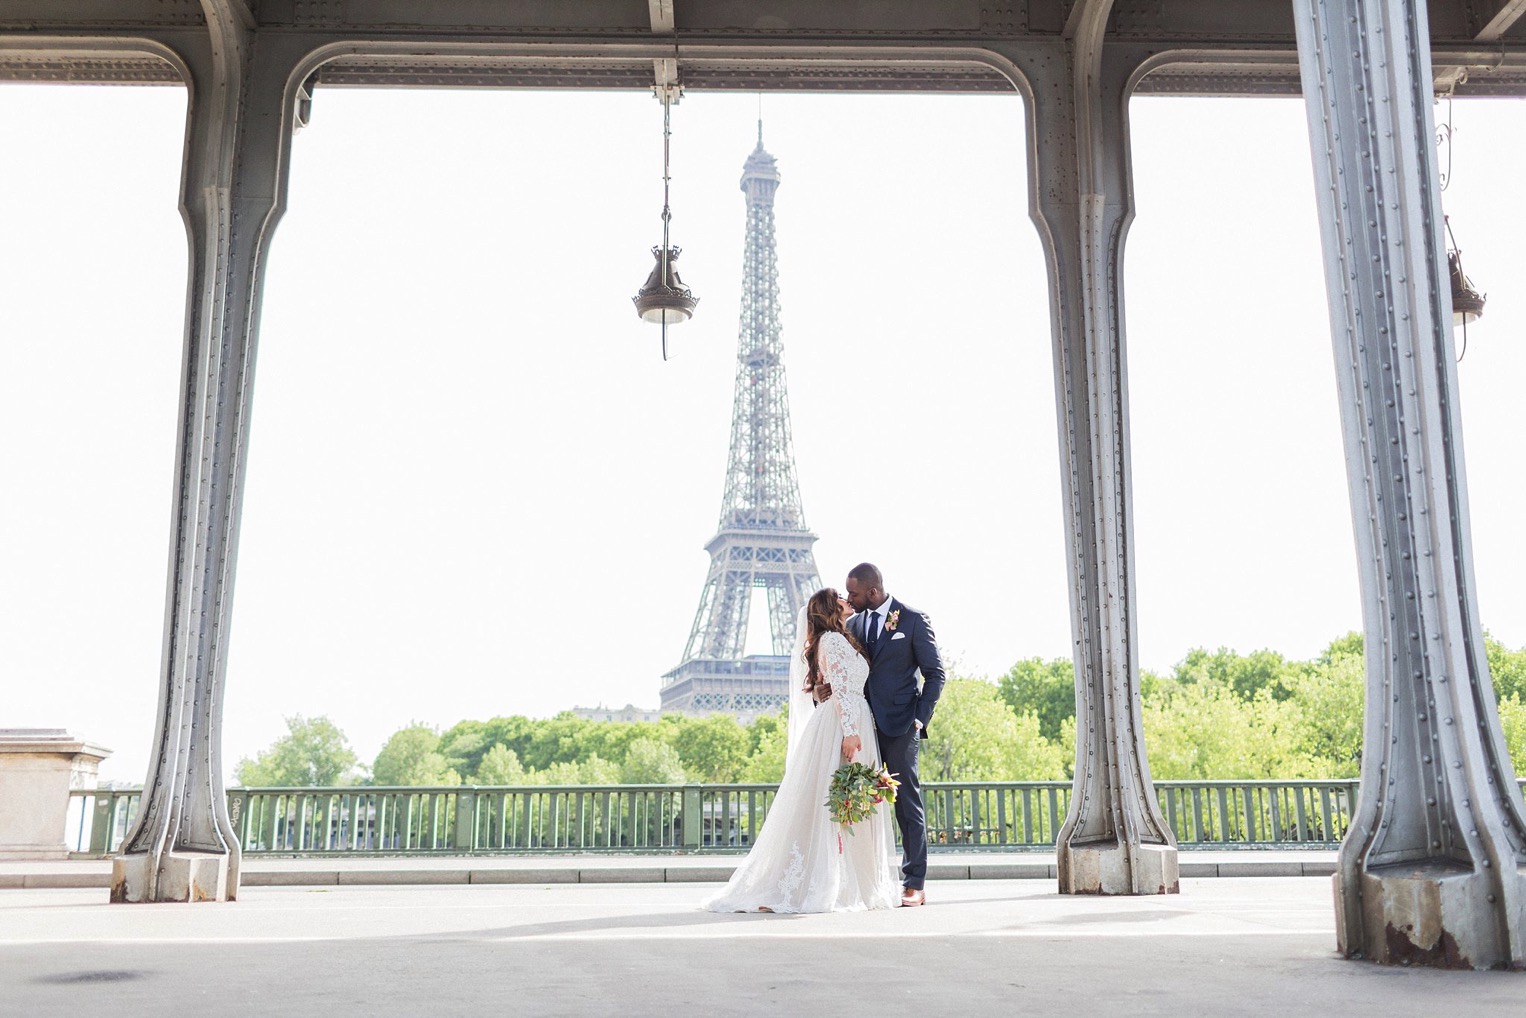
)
(1467, 302)
(663, 299)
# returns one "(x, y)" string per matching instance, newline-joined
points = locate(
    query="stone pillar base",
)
(1428, 913)
(1101, 867)
(38, 768)
(182, 876)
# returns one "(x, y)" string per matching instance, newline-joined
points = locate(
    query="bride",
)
(802, 861)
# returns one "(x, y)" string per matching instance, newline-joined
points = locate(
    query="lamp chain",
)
(667, 212)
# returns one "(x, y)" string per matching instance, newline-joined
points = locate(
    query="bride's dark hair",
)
(823, 614)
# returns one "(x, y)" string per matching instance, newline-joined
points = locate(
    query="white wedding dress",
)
(802, 861)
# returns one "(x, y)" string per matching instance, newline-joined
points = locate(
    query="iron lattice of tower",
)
(762, 541)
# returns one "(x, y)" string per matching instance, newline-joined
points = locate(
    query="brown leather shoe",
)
(911, 897)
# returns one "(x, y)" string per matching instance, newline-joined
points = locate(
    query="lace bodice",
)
(845, 668)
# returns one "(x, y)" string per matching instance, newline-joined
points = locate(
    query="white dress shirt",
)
(883, 611)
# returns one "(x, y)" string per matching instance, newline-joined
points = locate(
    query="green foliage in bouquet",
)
(856, 790)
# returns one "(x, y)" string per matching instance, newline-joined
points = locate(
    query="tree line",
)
(1218, 714)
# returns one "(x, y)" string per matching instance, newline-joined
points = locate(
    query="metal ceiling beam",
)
(779, 30)
(1498, 18)
(1181, 20)
(665, 69)
(1502, 20)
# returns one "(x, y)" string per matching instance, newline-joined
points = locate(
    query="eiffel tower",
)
(762, 541)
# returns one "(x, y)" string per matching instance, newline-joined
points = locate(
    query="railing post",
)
(465, 839)
(693, 817)
(238, 814)
(103, 819)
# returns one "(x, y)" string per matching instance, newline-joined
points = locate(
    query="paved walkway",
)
(1228, 946)
(605, 869)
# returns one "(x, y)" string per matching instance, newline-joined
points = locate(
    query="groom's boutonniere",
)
(892, 620)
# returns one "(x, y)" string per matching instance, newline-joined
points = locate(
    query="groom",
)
(899, 642)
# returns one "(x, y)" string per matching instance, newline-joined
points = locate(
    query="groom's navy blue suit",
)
(904, 647)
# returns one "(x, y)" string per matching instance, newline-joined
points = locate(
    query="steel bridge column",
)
(182, 846)
(1114, 840)
(1430, 870)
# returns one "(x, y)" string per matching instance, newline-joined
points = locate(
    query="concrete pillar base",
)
(175, 876)
(1102, 867)
(1434, 914)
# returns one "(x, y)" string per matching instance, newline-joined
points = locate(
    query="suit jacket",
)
(894, 661)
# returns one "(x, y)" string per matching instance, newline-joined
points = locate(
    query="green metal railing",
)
(466, 819)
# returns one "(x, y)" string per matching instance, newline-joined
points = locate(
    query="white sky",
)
(475, 488)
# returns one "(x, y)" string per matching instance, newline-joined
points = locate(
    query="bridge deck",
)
(1228, 946)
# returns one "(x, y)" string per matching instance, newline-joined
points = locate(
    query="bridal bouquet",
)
(856, 790)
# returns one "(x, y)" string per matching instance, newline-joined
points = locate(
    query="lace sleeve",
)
(836, 653)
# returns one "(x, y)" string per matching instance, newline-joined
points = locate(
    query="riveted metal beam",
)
(1433, 868)
(183, 846)
(1114, 840)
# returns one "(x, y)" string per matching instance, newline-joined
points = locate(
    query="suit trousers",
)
(899, 752)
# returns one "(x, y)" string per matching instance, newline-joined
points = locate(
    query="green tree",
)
(611, 740)
(651, 762)
(563, 773)
(766, 764)
(713, 749)
(1513, 721)
(1203, 731)
(1044, 688)
(975, 736)
(1067, 746)
(767, 740)
(312, 752)
(1048, 689)
(1507, 669)
(593, 771)
(1152, 684)
(1343, 646)
(1328, 696)
(500, 766)
(598, 771)
(764, 727)
(1244, 674)
(465, 746)
(565, 738)
(411, 756)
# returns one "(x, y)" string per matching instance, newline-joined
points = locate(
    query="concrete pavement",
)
(1226, 946)
(598, 869)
